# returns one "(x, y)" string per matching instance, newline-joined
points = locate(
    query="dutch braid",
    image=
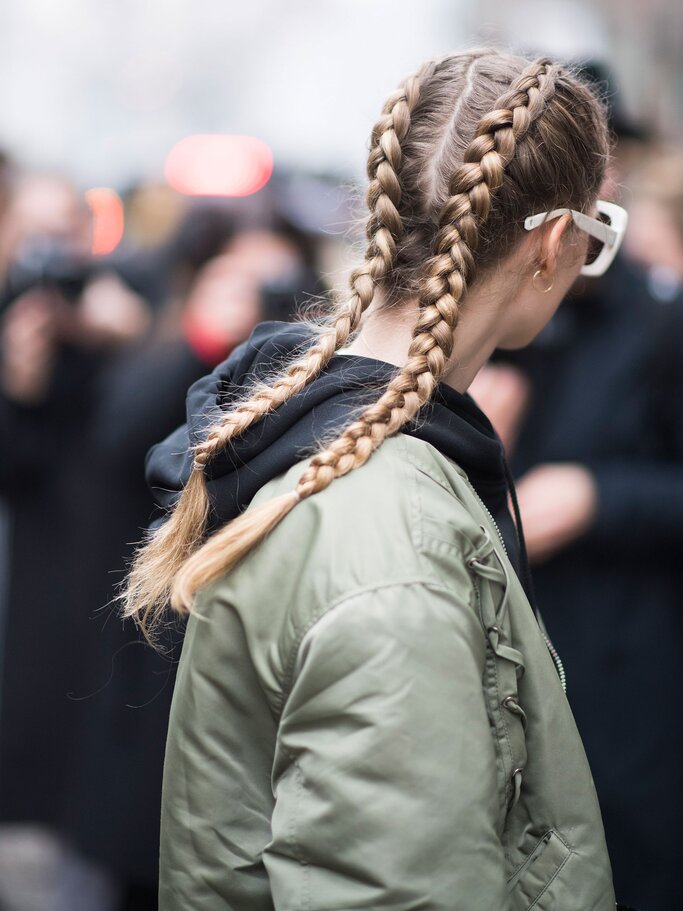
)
(383, 228)
(157, 562)
(471, 189)
(447, 273)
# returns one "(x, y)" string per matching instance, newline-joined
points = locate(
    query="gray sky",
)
(103, 88)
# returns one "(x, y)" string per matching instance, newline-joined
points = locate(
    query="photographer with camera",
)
(89, 379)
(64, 316)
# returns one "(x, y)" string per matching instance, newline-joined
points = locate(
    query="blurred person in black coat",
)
(64, 322)
(117, 780)
(592, 415)
(655, 238)
(84, 704)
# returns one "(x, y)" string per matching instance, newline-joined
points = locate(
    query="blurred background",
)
(171, 174)
(104, 92)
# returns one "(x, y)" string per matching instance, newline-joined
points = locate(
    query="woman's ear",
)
(551, 241)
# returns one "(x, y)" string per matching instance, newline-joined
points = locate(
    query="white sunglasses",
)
(607, 232)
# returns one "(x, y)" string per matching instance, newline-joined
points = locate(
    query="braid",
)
(148, 586)
(383, 228)
(447, 272)
(438, 158)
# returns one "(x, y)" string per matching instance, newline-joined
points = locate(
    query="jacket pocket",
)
(532, 878)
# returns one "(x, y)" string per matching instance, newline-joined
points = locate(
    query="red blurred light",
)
(218, 165)
(107, 215)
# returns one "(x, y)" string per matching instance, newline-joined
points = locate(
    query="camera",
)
(47, 262)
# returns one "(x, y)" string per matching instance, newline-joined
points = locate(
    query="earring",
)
(542, 290)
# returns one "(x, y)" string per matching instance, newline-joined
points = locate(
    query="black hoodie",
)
(452, 423)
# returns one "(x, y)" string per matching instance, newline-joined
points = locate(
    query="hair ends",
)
(223, 550)
(157, 562)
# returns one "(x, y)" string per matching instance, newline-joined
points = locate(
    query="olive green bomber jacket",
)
(366, 715)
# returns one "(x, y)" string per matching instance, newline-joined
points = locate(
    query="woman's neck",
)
(386, 334)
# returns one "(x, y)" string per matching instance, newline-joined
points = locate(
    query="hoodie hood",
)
(451, 422)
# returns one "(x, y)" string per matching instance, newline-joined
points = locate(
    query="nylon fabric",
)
(341, 733)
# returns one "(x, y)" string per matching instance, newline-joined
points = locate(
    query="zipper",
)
(557, 661)
(488, 513)
(559, 666)
(554, 654)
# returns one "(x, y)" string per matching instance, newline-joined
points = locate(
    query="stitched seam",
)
(338, 602)
(438, 481)
(303, 863)
(443, 485)
(550, 882)
(421, 537)
(525, 860)
(291, 839)
(449, 546)
(506, 731)
(491, 661)
(555, 874)
(498, 713)
(417, 511)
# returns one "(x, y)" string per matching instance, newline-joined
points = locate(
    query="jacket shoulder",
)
(381, 523)
(399, 520)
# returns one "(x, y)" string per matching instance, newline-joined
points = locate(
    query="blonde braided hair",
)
(148, 587)
(471, 188)
(401, 218)
(382, 230)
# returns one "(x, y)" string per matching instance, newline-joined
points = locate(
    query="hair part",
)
(462, 152)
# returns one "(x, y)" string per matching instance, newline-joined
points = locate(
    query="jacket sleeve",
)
(385, 777)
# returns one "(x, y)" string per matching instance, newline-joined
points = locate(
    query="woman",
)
(367, 714)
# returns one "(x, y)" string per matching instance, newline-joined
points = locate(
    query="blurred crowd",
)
(96, 354)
